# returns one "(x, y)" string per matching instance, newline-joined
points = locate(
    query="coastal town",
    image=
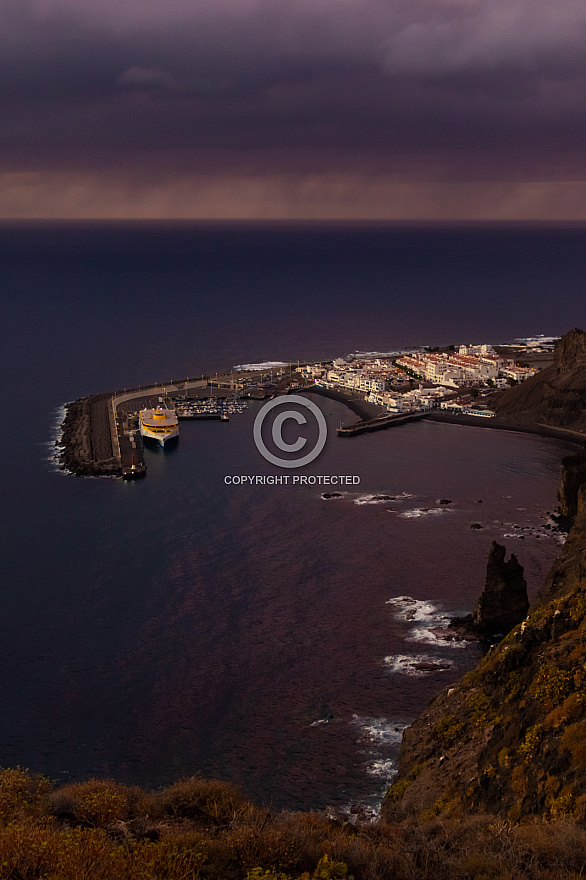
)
(455, 379)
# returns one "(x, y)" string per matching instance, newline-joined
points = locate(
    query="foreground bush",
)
(205, 830)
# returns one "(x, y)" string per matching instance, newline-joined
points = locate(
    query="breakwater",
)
(87, 438)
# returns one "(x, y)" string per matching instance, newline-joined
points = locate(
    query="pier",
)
(379, 423)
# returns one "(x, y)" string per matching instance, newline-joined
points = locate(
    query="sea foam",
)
(416, 665)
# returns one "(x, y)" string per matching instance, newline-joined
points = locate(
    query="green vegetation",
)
(551, 684)
(397, 790)
(480, 708)
(529, 746)
(448, 729)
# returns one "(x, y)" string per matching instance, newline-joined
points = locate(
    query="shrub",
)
(471, 679)
(578, 608)
(207, 801)
(513, 686)
(269, 849)
(574, 740)
(326, 870)
(22, 794)
(448, 729)
(562, 805)
(529, 746)
(572, 709)
(397, 790)
(440, 805)
(99, 802)
(480, 709)
(551, 684)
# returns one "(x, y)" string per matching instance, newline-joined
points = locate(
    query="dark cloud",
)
(385, 77)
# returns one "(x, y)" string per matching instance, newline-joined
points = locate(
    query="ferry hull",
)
(160, 439)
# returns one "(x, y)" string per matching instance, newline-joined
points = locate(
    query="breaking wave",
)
(431, 620)
(381, 498)
(416, 609)
(417, 512)
(416, 665)
(266, 365)
(54, 445)
(381, 740)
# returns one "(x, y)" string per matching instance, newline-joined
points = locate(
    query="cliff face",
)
(557, 395)
(510, 737)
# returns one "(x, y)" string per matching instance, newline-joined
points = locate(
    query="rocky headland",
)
(556, 396)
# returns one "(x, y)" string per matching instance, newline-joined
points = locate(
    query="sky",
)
(296, 110)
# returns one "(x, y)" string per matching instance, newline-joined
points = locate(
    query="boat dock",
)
(379, 423)
(132, 456)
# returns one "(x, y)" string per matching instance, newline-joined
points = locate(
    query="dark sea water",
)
(182, 625)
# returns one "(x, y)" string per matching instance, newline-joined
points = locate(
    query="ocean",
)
(261, 634)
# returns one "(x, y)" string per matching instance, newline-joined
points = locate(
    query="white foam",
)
(381, 498)
(416, 609)
(373, 499)
(407, 664)
(540, 338)
(427, 636)
(266, 365)
(382, 739)
(384, 768)
(380, 730)
(54, 446)
(417, 512)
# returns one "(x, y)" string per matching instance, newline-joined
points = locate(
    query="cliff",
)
(557, 395)
(510, 737)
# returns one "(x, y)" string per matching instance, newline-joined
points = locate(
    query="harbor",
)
(101, 435)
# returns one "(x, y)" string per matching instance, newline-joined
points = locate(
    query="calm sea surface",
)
(260, 634)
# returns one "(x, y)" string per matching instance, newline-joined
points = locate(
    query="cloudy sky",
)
(305, 109)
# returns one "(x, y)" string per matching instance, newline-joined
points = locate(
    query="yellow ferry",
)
(159, 424)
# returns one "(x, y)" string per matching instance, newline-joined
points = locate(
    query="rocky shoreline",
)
(508, 738)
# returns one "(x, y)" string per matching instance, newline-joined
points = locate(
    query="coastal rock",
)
(573, 476)
(503, 603)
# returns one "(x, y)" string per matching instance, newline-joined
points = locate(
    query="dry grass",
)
(205, 830)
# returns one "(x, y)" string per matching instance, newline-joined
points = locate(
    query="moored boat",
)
(159, 424)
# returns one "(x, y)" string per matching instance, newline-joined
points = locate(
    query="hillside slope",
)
(557, 395)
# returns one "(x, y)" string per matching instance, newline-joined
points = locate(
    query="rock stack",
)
(504, 602)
